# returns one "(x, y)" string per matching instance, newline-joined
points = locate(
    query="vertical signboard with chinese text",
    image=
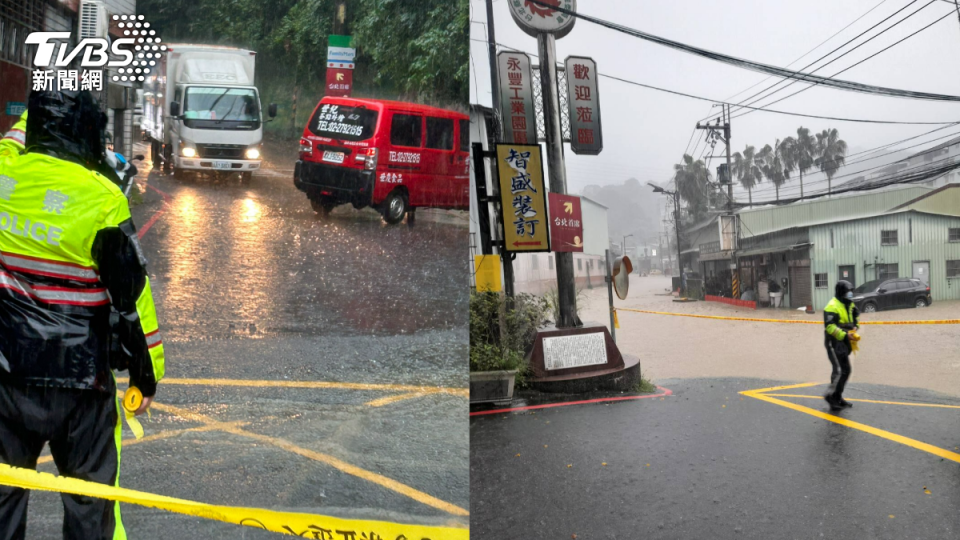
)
(516, 98)
(340, 64)
(566, 223)
(523, 198)
(583, 102)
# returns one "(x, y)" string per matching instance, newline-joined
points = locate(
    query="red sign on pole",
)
(566, 223)
(339, 81)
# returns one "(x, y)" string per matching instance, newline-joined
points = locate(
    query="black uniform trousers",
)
(82, 427)
(838, 352)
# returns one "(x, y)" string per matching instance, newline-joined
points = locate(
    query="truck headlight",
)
(187, 151)
(252, 153)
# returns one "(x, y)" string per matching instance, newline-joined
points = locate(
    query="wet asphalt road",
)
(251, 285)
(708, 462)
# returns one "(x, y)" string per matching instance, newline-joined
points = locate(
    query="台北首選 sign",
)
(535, 18)
(516, 98)
(523, 198)
(566, 223)
(583, 104)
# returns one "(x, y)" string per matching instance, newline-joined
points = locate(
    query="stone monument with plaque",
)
(583, 359)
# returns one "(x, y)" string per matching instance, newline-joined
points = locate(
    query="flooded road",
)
(313, 365)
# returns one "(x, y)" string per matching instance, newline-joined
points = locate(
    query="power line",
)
(858, 63)
(806, 53)
(751, 65)
(711, 100)
(917, 167)
(912, 178)
(858, 36)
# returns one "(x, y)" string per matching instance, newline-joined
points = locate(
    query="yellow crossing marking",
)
(394, 399)
(338, 464)
(913, 443)
(462, 392)
(907, 403)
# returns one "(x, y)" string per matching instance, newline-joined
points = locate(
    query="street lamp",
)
(676, 219)
(623, 245)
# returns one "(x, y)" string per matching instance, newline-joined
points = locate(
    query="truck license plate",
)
(333, 157)
(222, 165)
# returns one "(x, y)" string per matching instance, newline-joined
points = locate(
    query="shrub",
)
(502, 331)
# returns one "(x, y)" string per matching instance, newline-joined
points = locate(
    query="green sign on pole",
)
(340, 41)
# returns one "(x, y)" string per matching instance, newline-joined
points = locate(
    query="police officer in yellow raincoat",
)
(840, 318)
(68, 252)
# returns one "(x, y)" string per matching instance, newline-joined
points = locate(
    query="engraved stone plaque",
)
(574, 351)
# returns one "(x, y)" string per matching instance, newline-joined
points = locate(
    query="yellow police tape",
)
(132, 399)
(292, 523)
(940, 321)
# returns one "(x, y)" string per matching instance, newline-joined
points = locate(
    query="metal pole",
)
(726, 138)
(676, 223)
(609, 261)
(566, 288)
(494, 77)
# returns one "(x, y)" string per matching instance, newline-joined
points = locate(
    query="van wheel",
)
(395, 207)
(323, 206)
(869, 307)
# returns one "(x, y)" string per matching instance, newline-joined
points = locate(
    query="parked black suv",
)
(891, 294)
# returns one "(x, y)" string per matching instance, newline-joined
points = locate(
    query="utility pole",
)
(566, 288)
(725, 137)
(494, 75)
(340, 18)
(506, 257)
(676, 224)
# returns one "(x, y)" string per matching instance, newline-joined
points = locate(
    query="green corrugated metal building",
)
(917, 239)
(906, 231)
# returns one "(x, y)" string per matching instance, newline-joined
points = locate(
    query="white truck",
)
(201, 111)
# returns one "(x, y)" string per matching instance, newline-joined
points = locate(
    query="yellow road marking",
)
(338, 464)
(462, 392)
(908, 404)
(163, 435)
(394, 399)
(913, 443)
(788, 387)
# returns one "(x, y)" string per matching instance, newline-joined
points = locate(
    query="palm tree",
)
(831, 152)
(801, 152)
(774, 164)
(693, 182)
(747, 169)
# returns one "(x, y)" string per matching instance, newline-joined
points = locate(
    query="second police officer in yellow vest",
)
(840, 319)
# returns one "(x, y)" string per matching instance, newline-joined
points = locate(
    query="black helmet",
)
(842, 288)
(67, 124)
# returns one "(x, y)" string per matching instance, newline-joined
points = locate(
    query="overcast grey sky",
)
(646, 132)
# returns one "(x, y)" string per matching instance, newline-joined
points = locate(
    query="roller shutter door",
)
(800, 293)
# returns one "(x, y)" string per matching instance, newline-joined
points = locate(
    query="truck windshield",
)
(213, 103)
(343, 122)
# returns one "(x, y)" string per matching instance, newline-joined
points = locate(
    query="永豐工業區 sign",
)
(566, 223)
(523, 198)
(516, 98)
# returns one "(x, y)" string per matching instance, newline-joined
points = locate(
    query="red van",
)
(392, 156)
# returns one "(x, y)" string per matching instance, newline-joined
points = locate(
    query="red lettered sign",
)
(566, 223)
(339, 81)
